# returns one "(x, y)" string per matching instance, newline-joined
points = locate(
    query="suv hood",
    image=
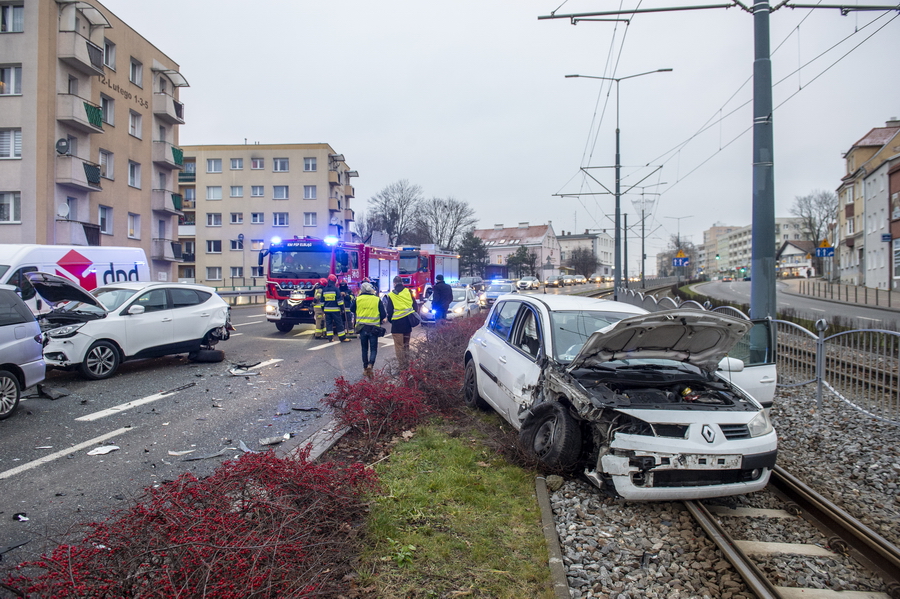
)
(698, 338)
(55, 290)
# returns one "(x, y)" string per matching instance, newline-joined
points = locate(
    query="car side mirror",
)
(731, 365)
(135, 310)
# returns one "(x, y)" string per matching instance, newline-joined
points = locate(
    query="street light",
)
(617, 278)
(644, 205)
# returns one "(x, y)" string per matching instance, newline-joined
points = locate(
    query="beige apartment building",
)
(238, 197)
(89, 117)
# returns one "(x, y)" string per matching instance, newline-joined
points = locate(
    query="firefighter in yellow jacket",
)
(331, 305)
(317, 309)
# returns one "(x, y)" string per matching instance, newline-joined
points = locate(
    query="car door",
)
(152, 331)
(756, 350)
(518, 369)
(491, 342)
(193, 314)
(471, 303)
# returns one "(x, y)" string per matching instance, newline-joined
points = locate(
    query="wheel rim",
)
(545, 437)
(8, 394)
(470, 385)
(101, 360)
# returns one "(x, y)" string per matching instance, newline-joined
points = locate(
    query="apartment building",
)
(89, 118)
(502, 242)
(735, 249)
(600, 243)
(236, 198)
(710, 254)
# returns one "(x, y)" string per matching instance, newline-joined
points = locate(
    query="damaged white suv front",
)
(648, 406)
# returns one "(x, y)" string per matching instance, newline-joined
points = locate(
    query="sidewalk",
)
(844, 294)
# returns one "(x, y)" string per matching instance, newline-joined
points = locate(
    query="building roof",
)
(804, 246)
(522, 235)
(879, 135)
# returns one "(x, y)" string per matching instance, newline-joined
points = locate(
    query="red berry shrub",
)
(260, 526)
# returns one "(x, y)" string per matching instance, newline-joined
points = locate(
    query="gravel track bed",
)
(614, 549)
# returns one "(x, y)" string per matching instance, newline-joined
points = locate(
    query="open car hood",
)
(55, 289)
(698, 338)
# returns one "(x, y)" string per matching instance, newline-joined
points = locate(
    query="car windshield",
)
(466, 280)
(571, 329)
(500, 288)
(459, 295)
(110, 297)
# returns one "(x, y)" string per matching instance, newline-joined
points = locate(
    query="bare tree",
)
(583, 261)
(446, 220)
(365, 224)
(395, 208)
(817, 212)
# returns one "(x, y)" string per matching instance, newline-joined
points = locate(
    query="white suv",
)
(97, 331)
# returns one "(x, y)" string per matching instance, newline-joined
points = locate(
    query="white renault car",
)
(648, 405)
(97, 331)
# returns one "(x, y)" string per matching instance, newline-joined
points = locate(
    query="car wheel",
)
(552, 434)
(207, 356)
(471, 395)
(9, 394)
(101, 361)
(284, 327)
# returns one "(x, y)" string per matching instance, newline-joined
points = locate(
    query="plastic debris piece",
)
(178, 453)
(52, 392)
(274, 440)
(103, 450)
(44, 447)
(244, 448)
(206, 457)
(306, 408)
(20, 517)
(243, 370)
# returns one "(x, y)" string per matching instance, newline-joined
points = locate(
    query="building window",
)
(134, 226)
(73, 86)
(237, 271)
(107, 110)
(213, 273)
(280, 192)
(309, 164)
(257, 244)
(237, 244)
(12, 18)
(10, 81)
(134, 174)
(213, 219)
(11, 143)
(104, 218)
(10, 207)
(309, 192)
(257, 191)
(237, 164)
(280, 219)
(309, 219)
(213, 246)
(109, 54)
(237, 191)
(134, 124)
(106, 164)
(257, 164)
(190, 167)
(237, 218)
(213, 192)
(136, 73)
(280, 165)
(213, 165)
(896, 243)
(256, 271)
(257, 218)
(190, 195)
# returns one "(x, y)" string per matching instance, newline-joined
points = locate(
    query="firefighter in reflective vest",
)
(332, 299)
(317, 309)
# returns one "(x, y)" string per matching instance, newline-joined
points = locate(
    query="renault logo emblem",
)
(708, 433)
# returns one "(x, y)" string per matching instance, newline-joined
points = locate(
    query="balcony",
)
(348, 215)
(79, 114)
(72, 232)
(164, 200)
(168, 109)
(77, 173)
(80, 53)
(167, 156)
(188, 257)
(333, 204)
(187, 177)
(349, 192)
(165, 249)
(333, 177)
(187, 230)
(188, 204)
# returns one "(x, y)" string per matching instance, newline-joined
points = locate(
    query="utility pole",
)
(645, 204)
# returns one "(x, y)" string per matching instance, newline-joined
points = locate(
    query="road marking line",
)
(266, 363)
(243, 324)
(125, 406)
(816, 310)
(61, 453)
(866, 318)
(324, 345)
(303, 333)
(235, 334)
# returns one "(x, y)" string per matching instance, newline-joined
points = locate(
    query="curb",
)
(322, 440)
(557, 570)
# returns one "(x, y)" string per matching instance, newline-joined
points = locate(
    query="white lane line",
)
(867, 318)
(243, 324)
(266, 363)
(304, 333)
(235, 334)
(122, 407)
(61, 453)
(816, 310)
(324, 345)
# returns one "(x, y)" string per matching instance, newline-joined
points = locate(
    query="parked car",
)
(580, 279)
(528, 283)
(645, 404)
(464, 304)
(21, 350)
(95, 332)
(553, 281)
(487, 297)
(476, 283)
(568, 280)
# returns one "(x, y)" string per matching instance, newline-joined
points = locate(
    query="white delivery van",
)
(89, 266)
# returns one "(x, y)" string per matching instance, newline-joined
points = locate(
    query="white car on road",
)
(647, 405)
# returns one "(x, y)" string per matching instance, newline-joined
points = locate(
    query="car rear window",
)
(12, 309)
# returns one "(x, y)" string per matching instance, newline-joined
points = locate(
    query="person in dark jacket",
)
(370, 313)
(332, 303)
(399, 306)
(441, 297)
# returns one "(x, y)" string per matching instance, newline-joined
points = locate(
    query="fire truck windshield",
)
(288, 264)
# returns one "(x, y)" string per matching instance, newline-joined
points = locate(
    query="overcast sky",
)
(468, 99)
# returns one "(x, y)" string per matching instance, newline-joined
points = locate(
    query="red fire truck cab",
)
(294, 266)
(420, 265)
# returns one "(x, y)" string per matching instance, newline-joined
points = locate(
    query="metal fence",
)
(861, 367)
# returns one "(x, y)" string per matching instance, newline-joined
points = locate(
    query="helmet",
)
(332, 278)
(323, 282)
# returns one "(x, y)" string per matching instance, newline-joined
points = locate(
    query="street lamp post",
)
(617, 277)
(645, 204)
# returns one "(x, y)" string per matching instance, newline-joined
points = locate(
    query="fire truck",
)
(420, 265)
(294, 266)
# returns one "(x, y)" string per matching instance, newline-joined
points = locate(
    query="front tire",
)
(471, 395)
(10, 391)
(553, 436)
(284, 327)
(101, 361)
(207, 356)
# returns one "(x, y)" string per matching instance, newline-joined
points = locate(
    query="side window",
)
(183, 298)
(527, 336)
(22, 284)
(12, 311)
(502, 318)
(354, 260)
(341, 260)
(755, 348)
(153, 301)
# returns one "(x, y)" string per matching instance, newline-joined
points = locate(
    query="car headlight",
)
(270, 309)
(760, 425)
(458, 310)
(66, 331)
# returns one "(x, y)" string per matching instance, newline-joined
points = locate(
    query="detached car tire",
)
(208, 356)
(471, 396)
(10, 391)
(552, 435)
(101, 361)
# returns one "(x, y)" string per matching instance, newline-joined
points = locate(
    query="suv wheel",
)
(9, 394)
(101, 361)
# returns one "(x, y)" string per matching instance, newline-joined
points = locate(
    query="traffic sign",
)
(681, 254)
(680, 261)
(826, 252)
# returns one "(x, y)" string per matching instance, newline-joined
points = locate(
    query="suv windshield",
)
(571, 329)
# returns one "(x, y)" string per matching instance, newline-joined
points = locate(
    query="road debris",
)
(103, 450)
(20, 517)
(274, 440)
(305, 408)
(243, 447)
(206, 457)
(178, 453)
(51, 392)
